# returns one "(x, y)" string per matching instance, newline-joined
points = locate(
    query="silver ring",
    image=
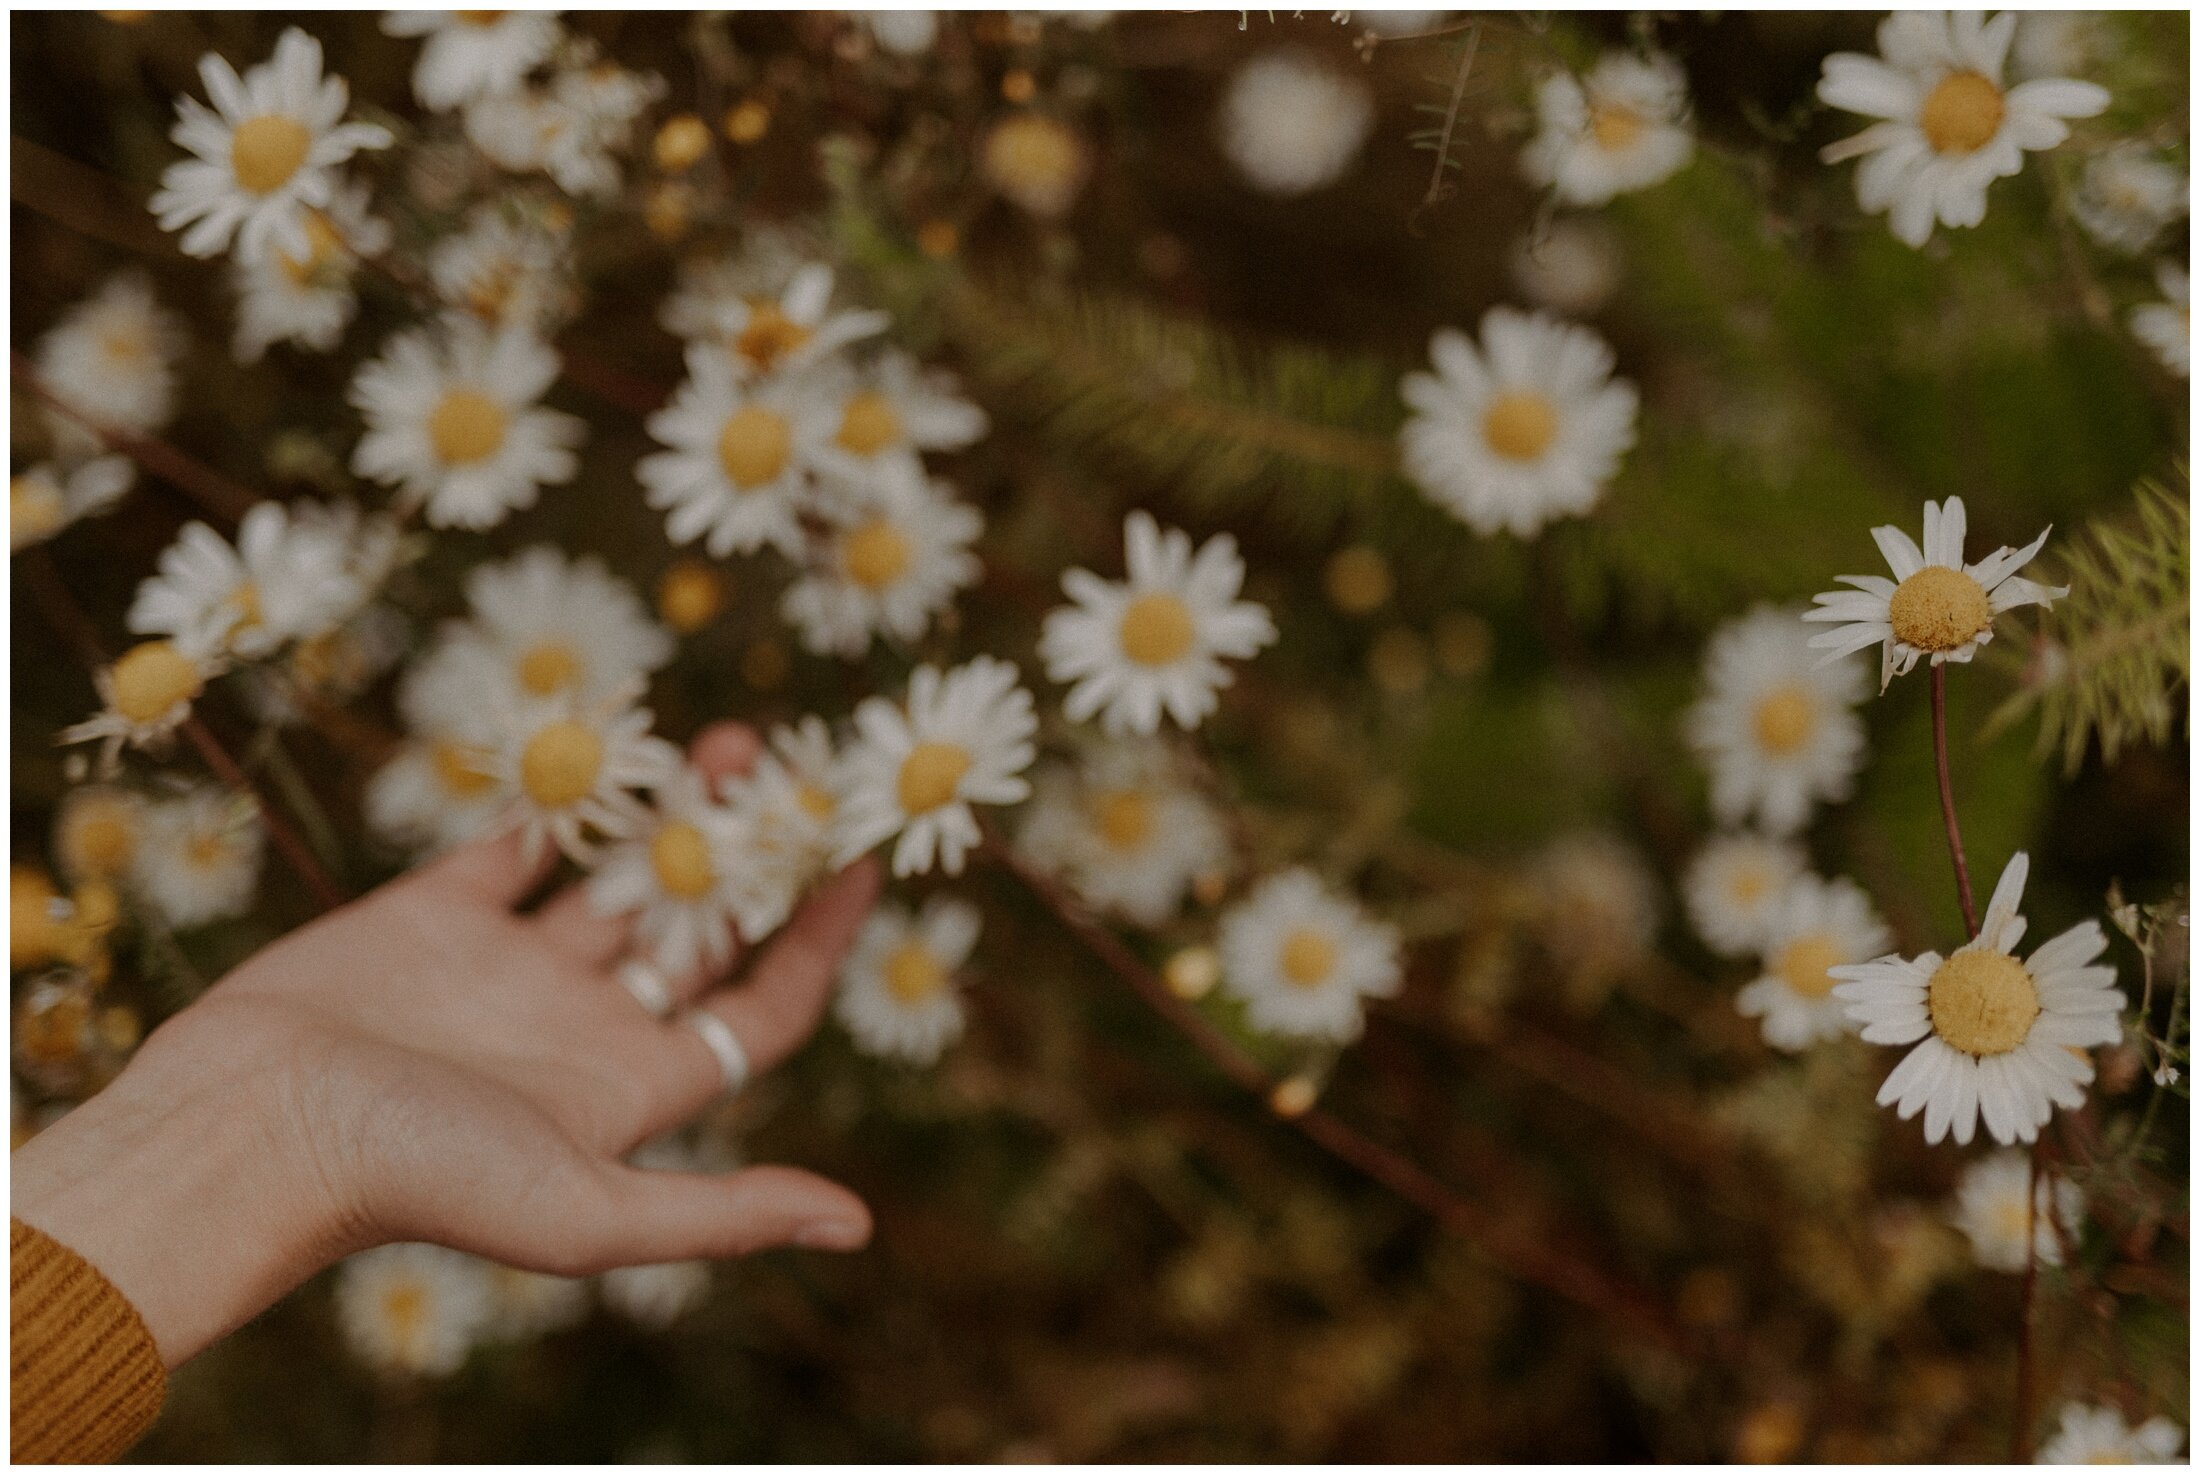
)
(647, 983)
(733, 1061)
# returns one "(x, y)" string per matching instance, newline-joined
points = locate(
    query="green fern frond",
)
(2119, 668)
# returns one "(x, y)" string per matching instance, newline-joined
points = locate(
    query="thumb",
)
(653, 1216)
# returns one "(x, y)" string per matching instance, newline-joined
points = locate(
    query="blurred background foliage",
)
(1090, 1245)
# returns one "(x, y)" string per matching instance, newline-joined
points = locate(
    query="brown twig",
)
(1525, 1253)
(1948, 800)
(214, 493)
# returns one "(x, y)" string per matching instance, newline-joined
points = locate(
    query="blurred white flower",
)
(741, 457)
(2092, 1435)
(1302, 958)
(198, 856)
(1991, 1211)
(1815, 925)
(572, 128)
(145, 695)
(888, 561)
(1126, 831)
(526, 1304)
(433, 793)
(505, 267)
(112, 358)
(307, 297)
(903, 32)
(2128, 196)
(468, 54)
(708, 290)
(553, 626)
(1733, 887)
(680, 873)
(572, 769)
(2166, 326)
(888, 413)
(656, 1296)
(413, 1308)
(785, 804)
(288, 578)
(898, 996)
(1571, 266)
(1776, 726)
(1623, 127)
(48, 497)
(1291, 124)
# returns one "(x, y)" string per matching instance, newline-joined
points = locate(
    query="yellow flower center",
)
(769, 335)
(1307, 957)
(1982, 1002)
(1802, 965)
(815, 801)
(265, 151)
(1962, 114)
(36, 509)
(1938, 609)
(1784, 718)
(559, 765)
(1750, 885)
(549, 668)
(681, 858)
(405, 1309)
(245, 600)
(322, 247)
(465, 427)
(458, 769)
(1520, 425)
(913, 974)
(690, 596)
(99, 837)
(869, 424)
(1615, 127)
(481, 17)
(151, 678)
(1124, 818)
(206, 850)
(875, 554)
(929, 776)
(1156, 629)
(753, 446)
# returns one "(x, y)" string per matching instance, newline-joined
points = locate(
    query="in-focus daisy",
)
(97, 831)
(453, 422)
(306, 297)
(1036, 161)
(786, 331)
(656, 1296)
(1776, 727)
(889, 560)
(1990, 1209)
(785, 805)
(412, 1308)
(1292, 124)
(572, 770)
(740, 460)
(915, 770)
(2166, 326)
(506, 267)
(2128, 196)
(111, 358)
(1815, 925)
(473, 53)
(1995, 1037)
(1527, 427)
(265, 153)
(889, 413)
(1126, 831)
(1302, 957)
(288, 578)
(198, 857)
(681, 874)
(1155, 642)
(1623, 127)
(556, 627)
(897, 994)
(145, 695)
(1949, 126)
(1572, 266)
(1733, 887)
(1935, 605)
(433, 793)
(44, 499)
(2092, 1435)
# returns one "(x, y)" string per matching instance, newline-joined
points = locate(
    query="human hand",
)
(426, 1063)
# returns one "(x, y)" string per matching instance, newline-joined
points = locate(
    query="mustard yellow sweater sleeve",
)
(85, 1379)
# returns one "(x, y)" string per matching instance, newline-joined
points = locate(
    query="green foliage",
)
(2119, 667)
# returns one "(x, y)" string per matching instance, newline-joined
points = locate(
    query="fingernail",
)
(833, 1234)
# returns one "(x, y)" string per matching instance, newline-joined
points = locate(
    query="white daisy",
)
(505, 267)
(915, 770)
(1990, 1209)
(1571, 266)
(1526, 428)
(44, 499)
(2128, 196)
(573, 128)
(1996, 1038)
(897, 996)
(266, 153)
(1950, 128)
(2092, 1435)
(111, 358)
(786, 331)
(1155, 642)
(145, 695)
(288, 578)
(1623, 127)
(554, 626)
(526, 1304)
(1302, 957)
(785, 804)
(888, 561)
(2166, 326)
(1733, 887)
(1291, 124)
(1935, 605)
(708, 289)
(739, 468)
(434, 793)
(681, 873)
(453, 422)
(97, 831)
(413, 1308)
(306, 297)
(656, 1296)
(885, 415)
(473, 53)
(2057, 43)
(1126, 831)
(1815, 925)
(198, 858)
(572, 770)
(1775, 726)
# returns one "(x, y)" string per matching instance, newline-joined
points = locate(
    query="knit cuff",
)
(85, 1378)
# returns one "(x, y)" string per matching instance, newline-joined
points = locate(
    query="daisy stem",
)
(1948, 801)
(216, 494)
